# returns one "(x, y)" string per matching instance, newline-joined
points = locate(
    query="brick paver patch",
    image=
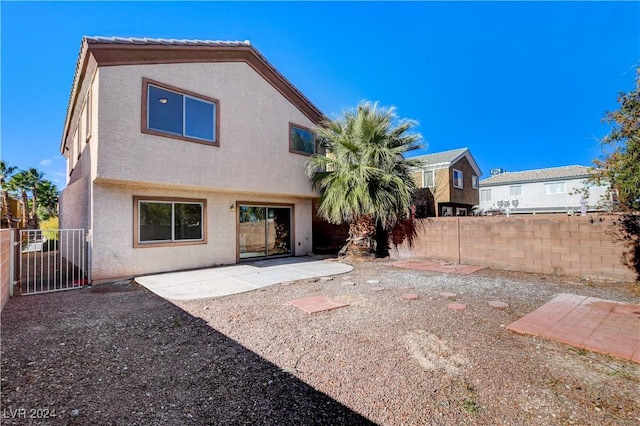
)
(410, 296)
(311, 305)
(457, 306)
(447, 295)
(598, 325)
(498, 304)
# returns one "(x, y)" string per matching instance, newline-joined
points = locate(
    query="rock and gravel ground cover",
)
(118, 354)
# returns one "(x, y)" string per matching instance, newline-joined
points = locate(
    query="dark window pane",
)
(302, 140)
(155, 222)
(188, 221)
(164, 110)
(199, 119)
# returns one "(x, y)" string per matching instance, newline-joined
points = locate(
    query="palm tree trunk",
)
(361, 241)
(34, 210)
(25, 209)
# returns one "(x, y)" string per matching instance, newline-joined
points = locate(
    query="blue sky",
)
(524, 85)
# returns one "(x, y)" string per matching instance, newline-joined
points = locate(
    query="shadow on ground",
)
(121, 355)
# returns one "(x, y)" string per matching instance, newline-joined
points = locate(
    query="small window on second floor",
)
(301, 140)
(428, 179)
(458, 179)
(474, 181)
(172, 112)
(554, 188)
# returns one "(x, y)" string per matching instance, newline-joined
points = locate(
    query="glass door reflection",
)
(264, 231)
(251, 232)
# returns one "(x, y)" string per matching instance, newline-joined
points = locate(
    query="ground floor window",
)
(461, 211)
(264, 231)
(168, 221)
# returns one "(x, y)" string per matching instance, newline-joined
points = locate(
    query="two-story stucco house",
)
(450, 181)
(185, 154)
(550, 190)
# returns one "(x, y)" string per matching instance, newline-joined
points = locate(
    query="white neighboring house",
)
(552, 190)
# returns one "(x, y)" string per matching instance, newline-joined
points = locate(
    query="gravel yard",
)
(118, 354)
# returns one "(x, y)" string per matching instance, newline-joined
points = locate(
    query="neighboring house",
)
(185, 154)
(552, 190)
(16, 210)
(450, 182)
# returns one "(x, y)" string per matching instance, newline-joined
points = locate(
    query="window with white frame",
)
(554, 188)
(447, 211)
(474, 181)
(169, 220)
(458, 179)
(485, 195)
(177, 113)
(515, 190)
(428, 179)
(461, 211)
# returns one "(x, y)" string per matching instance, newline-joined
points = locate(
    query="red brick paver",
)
(411, 296)
(457, 306)
(311, 305)
(586, 322)
(437, 267)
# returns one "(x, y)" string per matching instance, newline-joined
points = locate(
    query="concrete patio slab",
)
(598, 325)
(227, 280)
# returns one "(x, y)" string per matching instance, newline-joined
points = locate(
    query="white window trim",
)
(474, 181)
(461, 186)
(549, 185)
(485, 191)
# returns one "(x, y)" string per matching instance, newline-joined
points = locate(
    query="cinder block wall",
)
(549, 244)
(5, 266)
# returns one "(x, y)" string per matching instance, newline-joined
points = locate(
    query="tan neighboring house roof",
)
(445, 159)
(538, 175)
(110, 51)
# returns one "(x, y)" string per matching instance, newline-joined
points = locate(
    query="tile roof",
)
(164, 41)
(441, 157)
(553, 173)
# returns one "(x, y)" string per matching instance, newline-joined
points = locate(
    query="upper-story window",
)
(457, 179)
(474, 181)
(301, 140)
(554, 188)
(515, 190)
(429, 179)
(177, 113)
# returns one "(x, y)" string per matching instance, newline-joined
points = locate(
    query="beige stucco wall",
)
(74, 205)
(252, 164)
(113, 254)
(254, 132)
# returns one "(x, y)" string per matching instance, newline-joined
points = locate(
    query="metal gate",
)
(52, 260)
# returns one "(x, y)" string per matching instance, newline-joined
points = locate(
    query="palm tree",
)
(5, 172)
(35, 179)
(365, 179)
(47, 200)
(19, 184)
(25, 182)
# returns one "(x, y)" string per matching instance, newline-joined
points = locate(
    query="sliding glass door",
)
(264, 231)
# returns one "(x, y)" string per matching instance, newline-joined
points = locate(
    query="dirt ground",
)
(117, 354)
